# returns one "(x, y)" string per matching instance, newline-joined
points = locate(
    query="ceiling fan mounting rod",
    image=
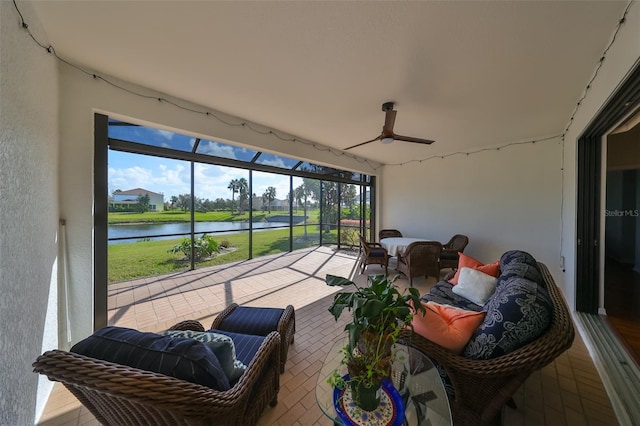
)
(387, 106)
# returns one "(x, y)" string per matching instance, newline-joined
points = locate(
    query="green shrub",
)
(203, 247)
(349, 237)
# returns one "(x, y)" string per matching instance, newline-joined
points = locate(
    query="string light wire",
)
(270, 132)
(563, 135)
(467, 153)
(599, 65)
(373, 165)
(603, 57)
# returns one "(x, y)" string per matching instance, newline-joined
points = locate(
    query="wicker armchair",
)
(120, 395)
(373, 254)
(389, 233)
(481, 388)
(421, 258)
(449, 256)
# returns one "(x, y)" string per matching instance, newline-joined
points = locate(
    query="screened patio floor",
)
(567, 392)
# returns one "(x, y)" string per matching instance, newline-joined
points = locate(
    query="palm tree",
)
(268, 197)
(243, 189)
(233, 186)
(299, 193)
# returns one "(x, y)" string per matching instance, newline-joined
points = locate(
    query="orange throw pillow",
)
(492, 269)
(447, 326)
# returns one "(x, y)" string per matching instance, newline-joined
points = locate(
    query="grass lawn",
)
(149, 258)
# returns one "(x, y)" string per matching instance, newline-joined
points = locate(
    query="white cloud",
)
(276, 162)
(163, 133)
(166, 180)
(212, 181)
(172, 177)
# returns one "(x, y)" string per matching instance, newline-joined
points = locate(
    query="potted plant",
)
(379, 311)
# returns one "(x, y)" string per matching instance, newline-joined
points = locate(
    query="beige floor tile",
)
(567, 392)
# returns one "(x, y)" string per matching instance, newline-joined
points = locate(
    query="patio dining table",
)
(395, 245)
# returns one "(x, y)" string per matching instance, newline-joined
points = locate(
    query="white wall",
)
(501, 199)
(620, 59)
(28, 215)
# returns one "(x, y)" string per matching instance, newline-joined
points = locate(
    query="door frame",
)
(589, 190)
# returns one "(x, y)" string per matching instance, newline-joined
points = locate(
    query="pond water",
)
(142, 230)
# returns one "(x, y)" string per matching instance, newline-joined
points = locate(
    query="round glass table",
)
(413, 375)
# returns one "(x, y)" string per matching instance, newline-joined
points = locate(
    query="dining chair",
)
(373, 254)
(449, 257)
(421, 258)
(388, 233)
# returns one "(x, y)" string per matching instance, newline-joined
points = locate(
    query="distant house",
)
(126, 200)
(261, 204)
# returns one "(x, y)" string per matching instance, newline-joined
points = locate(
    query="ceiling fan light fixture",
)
(388, 139)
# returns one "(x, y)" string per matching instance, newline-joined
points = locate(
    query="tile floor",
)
(567, 392)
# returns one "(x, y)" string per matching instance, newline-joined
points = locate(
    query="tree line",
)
(308, 195)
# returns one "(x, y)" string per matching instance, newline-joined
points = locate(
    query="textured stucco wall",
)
(28, 214)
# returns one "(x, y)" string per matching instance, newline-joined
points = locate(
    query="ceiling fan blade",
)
(412, 139)
(389, 121)
(362, 143)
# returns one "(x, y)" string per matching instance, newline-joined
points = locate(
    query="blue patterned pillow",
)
(185, 359)
(518, 312)
(520, 264)
(221, 345)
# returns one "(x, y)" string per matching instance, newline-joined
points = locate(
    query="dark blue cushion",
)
(246, 344)
(251, 320)
(377, 253)
(448, 255)
(443, 294)
(520, 264)
(519, 311)
(185, 359)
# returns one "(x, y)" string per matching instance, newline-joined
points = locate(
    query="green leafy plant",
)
(203, 247)
(379, 311)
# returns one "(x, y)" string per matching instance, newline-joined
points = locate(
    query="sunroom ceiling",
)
(465, 74)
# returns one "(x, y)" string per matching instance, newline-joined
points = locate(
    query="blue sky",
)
(172, 177)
